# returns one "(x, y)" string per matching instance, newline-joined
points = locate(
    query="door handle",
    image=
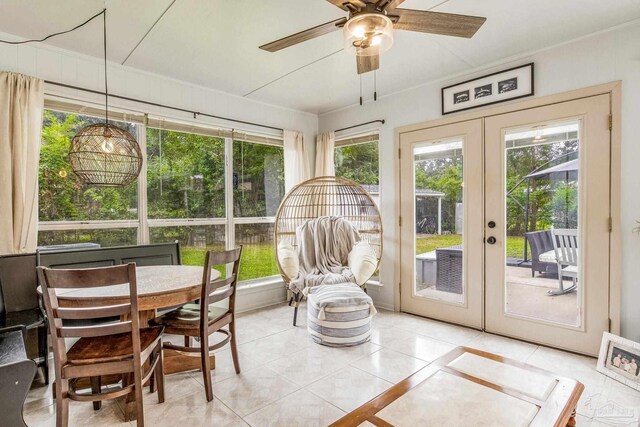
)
(491, 240)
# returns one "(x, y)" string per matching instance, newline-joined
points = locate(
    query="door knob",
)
(491, 240)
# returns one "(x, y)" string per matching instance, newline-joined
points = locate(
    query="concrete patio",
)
(526, 296)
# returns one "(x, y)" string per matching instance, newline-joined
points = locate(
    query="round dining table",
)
(159, 286)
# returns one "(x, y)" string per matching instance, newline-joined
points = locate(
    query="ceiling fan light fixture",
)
(369, 34)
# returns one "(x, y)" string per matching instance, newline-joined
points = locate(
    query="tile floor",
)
(287, 380)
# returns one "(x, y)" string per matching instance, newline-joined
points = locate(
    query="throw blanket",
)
(324, 246)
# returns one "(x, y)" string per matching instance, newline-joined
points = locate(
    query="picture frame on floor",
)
(619, 359)
(497, 87)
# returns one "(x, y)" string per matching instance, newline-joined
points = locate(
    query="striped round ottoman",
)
(339, 315)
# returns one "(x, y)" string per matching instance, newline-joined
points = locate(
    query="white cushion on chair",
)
(288, 257)
(362, 262)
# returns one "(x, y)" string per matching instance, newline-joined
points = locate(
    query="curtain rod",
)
(195, 113)
(381, 121)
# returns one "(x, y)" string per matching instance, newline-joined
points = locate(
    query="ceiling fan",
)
(369, 28)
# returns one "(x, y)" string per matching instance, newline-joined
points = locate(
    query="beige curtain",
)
(325, 143)
(296, 163)
(21, 108)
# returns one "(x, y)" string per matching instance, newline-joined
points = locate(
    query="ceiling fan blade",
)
(304, 35)
(388, 5)
(367, 63)
(348, 5)
(447, 24)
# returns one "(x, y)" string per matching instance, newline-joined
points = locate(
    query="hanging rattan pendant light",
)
(104, 154)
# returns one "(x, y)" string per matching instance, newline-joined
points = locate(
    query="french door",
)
(505, 223)
(442, 223)
(562, 300)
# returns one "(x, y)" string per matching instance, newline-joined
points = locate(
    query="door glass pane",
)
(438, 189)
(542, 204)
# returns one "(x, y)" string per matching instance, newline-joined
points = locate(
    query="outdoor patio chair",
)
(540, 242)
(565, 246)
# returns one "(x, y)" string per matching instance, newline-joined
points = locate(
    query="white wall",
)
(67, 67)
(599, 58)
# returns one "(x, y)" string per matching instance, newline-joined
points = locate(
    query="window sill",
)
(374, 283)
(271, 281)
(254, 285)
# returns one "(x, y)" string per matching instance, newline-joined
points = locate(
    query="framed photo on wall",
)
(502, 86)
(620, 359)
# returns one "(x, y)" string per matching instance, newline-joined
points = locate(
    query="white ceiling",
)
(214, 43)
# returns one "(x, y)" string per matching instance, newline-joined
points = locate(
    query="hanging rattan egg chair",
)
(326, 196)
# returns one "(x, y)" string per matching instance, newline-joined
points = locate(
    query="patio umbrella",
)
(567, 171)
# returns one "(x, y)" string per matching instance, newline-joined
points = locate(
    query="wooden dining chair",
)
(202, 319)
(115, 348)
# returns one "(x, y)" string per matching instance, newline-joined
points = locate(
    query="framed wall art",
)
(504, 85)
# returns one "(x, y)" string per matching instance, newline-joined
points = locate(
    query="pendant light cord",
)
(104, 31)
(106, 84)
(55, 34)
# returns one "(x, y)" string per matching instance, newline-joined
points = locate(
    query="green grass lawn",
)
(257, 260)
(431, 243)
(260, 260)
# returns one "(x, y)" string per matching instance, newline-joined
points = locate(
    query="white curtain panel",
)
(21, 109)
(325, 143)
(295, 159)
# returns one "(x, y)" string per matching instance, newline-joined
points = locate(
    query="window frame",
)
(143, 223)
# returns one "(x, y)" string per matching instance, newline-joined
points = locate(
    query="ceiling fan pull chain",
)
(360, 89)
(375, 85)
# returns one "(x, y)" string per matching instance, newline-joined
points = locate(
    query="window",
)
(187, 191)
(357, 159)
(258, 179)
(69, 211)
(258, 250)
(185, 175)
(258, 189)
(208, 189)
